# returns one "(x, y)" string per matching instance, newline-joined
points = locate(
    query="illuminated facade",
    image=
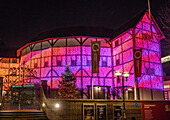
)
(5, 65)
(49, 54)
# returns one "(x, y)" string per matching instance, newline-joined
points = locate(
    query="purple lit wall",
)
(151, 77)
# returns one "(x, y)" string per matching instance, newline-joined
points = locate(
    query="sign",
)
(117, 112)
(136, 104)
(137, 57)
(165, 59)
(101, 111)
(95, 56)
(156, 111)
(88, 112)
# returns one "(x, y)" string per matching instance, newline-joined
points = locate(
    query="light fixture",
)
(126, 74)
(98, 88)
(43, 104)
(0, 104)
(118, 73)
(57, 105)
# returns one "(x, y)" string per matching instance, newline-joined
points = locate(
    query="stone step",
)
(23, 115)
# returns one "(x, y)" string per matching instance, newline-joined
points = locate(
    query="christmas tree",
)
(67, 87)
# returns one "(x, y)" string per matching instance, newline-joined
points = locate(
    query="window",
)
(59, 59)
(88, 62)
(58, 62)
(146, 36)
(23, 63)
(117, 59)
(116, 43)
(14, 60)
(46, 64)
(117, 62)
(73, 62)
(150, 71)
(104, 63)
(35, 65)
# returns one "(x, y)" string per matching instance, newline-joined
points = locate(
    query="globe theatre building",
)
(50, 52)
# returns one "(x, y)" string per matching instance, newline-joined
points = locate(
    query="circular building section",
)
(49, 53)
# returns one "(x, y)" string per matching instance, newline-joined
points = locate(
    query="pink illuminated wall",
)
(49, 61)
(151, 54)
(5, 65)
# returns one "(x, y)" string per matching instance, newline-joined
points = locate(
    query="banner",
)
(137, 57)
(95, 56)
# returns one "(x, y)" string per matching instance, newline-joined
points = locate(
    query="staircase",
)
(23, 115)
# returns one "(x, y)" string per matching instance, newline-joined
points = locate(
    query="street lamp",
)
(126, 75)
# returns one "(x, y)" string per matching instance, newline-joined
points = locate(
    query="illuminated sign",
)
(165, 59)
(166, 86)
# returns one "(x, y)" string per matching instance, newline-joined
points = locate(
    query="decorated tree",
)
(67, 87)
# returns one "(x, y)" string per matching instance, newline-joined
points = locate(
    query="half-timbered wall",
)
(139, 37)
(49, 58)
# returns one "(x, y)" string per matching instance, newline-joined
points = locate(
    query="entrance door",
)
(99, 93)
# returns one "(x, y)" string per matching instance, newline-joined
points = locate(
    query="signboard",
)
(165, 59)
(117, 112)
(95, 56)
(137, 57)
(88, 111)
(101, 111)
(156, 111)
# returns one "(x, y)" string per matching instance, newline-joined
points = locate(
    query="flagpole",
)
(135, 90)
(92, 95)
(91, 76)
(149, 8)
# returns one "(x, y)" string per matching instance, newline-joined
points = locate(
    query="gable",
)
(145, 23)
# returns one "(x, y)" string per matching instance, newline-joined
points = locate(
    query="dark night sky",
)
(22, 20)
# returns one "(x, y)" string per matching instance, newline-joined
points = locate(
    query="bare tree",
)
(164, 20)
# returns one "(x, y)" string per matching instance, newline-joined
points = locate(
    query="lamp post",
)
(126, 75)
